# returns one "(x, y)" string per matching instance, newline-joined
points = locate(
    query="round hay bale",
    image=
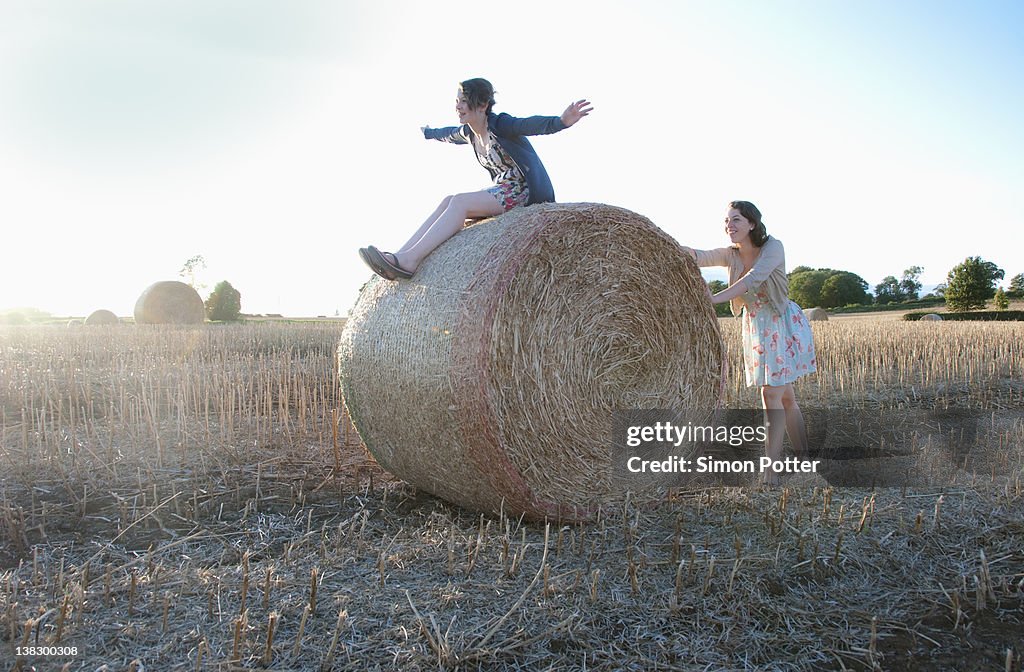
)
(816, 314)
(491, 378)
(931, 317)
(101, 318)
(74, 323)
(169, 302)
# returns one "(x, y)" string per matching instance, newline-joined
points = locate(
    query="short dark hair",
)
(478, 91)
(758, 235)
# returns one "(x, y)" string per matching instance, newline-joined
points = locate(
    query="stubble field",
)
(196, 499)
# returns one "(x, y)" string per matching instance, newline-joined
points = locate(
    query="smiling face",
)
(738, 227)
(467, 113)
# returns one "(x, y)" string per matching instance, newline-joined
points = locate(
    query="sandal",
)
(369, 260)
(377, 257)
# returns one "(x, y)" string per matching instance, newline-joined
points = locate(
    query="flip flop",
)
(369, 261)
(377, 257)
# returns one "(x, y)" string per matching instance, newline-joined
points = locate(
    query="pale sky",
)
(276, 138)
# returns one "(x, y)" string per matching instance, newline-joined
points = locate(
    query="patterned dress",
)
(510, 186)
(777, 349)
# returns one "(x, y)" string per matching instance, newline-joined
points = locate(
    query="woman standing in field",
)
(778, 345)
(500, 144)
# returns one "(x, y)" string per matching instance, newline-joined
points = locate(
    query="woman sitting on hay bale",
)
(778, 345)
(500, 144)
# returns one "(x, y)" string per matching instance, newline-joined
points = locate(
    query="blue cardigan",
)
(511, 134)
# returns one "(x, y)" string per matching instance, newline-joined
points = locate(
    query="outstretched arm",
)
(506, 124)
(453, 134)
(716, 257)
(729, 293)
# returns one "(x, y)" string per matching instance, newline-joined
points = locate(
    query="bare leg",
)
(795, 426)
(449, 222)
(426, 225)
(771, 398)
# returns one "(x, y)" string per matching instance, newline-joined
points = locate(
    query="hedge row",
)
(984, 315)
(874, 307)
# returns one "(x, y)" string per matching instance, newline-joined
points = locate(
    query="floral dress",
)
(777, 349)
(510, 186)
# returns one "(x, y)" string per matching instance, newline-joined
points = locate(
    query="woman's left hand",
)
(575, 112)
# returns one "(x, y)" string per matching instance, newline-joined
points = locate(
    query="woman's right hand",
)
(690, 251)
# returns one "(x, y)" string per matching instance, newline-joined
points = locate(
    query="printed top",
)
(496, 161)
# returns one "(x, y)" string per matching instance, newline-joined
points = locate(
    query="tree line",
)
(969, 286)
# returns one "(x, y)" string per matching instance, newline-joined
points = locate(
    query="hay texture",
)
(170, 302)
(490, 379)
(931, 317)
(101, 318)
(816, 314)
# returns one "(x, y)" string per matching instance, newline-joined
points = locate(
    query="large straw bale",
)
(490, 379)
(816, 314)
(169, 302)
(931, 317)
(101, 318)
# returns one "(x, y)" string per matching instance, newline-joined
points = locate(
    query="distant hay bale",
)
(490, 379)
(931, 317)
(816, 314)
(101, 318)
(169, 302)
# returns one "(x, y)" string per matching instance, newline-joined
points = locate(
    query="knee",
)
(789, 397)
(771, 397)
(446, 201)
(462, 202)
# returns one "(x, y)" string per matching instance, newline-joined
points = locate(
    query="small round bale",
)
(931, 317)
(169, 302)
(101, 318)
(492, 377)
(816, 314)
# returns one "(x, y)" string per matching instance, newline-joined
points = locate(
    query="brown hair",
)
(478, 91)
(758, 235)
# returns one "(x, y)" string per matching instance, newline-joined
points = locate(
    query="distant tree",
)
(826, 287)
(843, 289)
(721, 309)
(1000, 301)
(805, 286)
(940, 290)
(25, 315)
(971, 283)
(1017, 284)
(910, 285)
(224, 303)
(888, 291)
(190, 268)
